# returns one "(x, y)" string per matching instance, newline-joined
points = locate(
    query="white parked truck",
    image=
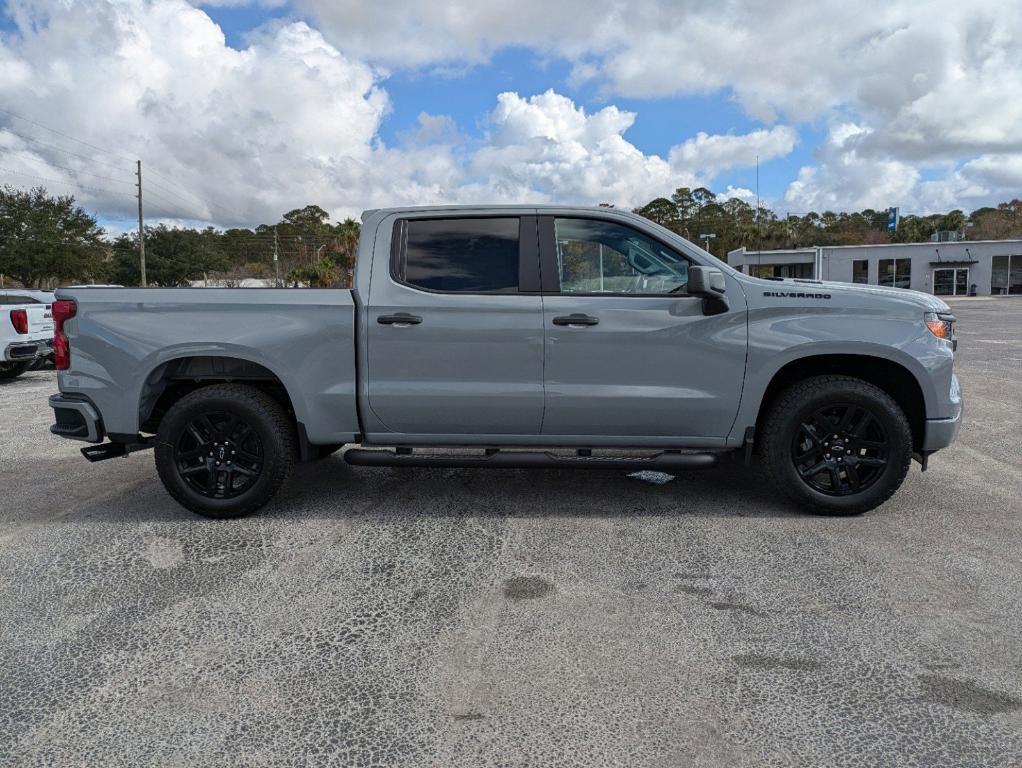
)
(26, 330)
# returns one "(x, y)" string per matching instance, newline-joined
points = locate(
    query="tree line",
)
(734, 223)
(49, 240)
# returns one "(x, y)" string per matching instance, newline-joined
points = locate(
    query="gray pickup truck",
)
(513, 337)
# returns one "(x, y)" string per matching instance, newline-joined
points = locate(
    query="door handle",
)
(401, 318)
(576, 319)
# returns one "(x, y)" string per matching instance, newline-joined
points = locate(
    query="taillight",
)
(62, 310)
(19, 319)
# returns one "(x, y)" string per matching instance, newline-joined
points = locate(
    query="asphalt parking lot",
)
(446, 617)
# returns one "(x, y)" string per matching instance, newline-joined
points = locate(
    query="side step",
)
(113, 450)
(529, 460)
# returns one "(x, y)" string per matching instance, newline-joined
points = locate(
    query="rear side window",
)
(17, 298)
(472, 255)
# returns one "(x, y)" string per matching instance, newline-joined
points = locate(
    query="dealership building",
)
(980, 267)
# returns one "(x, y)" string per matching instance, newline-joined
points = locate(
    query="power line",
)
(86, 173)
(66, 183)
(65, 135)
(233, 214)
(36, 141)
(171, 203)
(196, 201)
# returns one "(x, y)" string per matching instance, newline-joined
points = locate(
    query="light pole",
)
(706, 238)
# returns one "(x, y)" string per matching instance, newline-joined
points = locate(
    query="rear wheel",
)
(224, 450)
(12, 370)
(836, 445)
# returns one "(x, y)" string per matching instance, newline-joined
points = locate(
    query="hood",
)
(924, 301)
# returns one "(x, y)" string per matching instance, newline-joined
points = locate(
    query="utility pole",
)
(759, 232)
(141, 226)
(276, 257)
(706, 237)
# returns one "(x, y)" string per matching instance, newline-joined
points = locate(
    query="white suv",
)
(26, 330)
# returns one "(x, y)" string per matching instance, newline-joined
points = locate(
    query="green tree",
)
(318, 274)
(174, 256)
(48, 240)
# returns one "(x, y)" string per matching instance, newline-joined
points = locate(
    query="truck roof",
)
(494, 207)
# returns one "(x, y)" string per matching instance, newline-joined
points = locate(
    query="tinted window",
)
(17, 298)
(462, 255)
(603, 257)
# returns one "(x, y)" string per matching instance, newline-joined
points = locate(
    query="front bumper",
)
(76, 419)
(27, 351)
(940, 433)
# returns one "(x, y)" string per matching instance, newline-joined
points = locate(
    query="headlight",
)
(941, 325)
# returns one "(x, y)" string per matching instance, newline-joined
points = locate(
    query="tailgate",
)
(40, 320)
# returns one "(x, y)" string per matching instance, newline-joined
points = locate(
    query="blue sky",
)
(578, 101)
(466, 93)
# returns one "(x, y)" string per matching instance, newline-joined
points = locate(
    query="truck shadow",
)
(333, 489)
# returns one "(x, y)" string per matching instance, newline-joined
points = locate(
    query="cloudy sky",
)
(241, 111)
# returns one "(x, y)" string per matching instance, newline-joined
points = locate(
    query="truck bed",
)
(124, 342)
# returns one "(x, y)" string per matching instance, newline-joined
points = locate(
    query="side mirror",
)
(708, 282)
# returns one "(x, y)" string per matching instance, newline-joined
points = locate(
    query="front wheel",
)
(224, 450)
(836, 445)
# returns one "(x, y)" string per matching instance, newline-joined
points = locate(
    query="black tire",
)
(209, 474)
(12, 370)
(853, 466)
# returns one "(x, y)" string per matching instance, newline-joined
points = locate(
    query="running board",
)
(116, 450)
(529, 460)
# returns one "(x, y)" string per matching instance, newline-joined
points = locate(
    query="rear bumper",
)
(25, 351)
(76, 419)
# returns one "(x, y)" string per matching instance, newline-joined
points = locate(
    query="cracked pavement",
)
(442, 617)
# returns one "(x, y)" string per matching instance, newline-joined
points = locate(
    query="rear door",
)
(628, 352)
(455, 328)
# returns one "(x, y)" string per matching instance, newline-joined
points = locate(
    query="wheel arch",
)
(172, 379)
(890, 376)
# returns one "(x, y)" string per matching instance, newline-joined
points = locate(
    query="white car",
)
(26, 330)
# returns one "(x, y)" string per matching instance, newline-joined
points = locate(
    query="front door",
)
(628, 352)
(951, 282)
(455, 338)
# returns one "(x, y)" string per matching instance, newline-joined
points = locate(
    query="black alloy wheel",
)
(218, 455)
(835, 445)
(224, 450)
(840, 450)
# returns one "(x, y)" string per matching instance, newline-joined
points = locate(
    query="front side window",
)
(471, 255)
(603, 257)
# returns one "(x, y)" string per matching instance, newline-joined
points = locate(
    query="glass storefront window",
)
(860, 271)
(895, 272)
(1006, 275)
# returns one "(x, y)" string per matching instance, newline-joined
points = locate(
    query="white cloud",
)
(931, 84)
(241, 132)
(289, 120)
(546, 147)
(921, 114)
